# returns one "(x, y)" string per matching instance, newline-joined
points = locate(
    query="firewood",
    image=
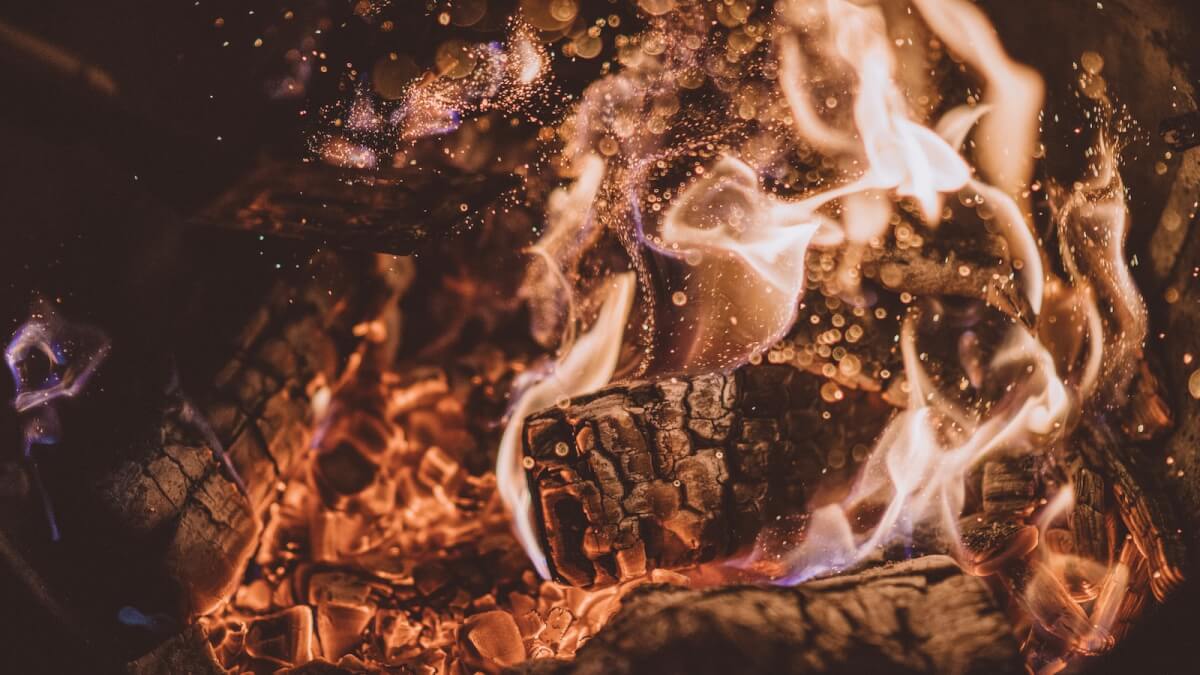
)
(923, 615)
(188, 652)
(260, 413)
(647, 475)
(972, 267)
(1180, 347)
(1123, 593)
(1147, 415)
(1010, 486)
(1088, 522)
(386, 210)
(1144, 509)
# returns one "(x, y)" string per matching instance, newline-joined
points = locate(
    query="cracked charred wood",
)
(1143, 507)
(258, 415)
(1090, 527)
(673, 473)
(919, 616)
(389, 210)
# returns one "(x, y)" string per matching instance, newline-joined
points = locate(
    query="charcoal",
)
(283, 638)
(1144, 509)
(1087, 520)
(1010, 486)
(259, 412)
(491, 641)
(989, 545)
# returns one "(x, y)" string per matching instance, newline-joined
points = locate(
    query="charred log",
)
(257, 415)
(678, 472)
(390, 211)
(1144, 509)
(919, 616)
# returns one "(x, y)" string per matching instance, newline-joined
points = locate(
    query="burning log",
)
(1145, 511)
(973, 267)
(1090, 527)
(392, 210)
(1010, 487)
(258, 415)
(923, 615)
(683, 471)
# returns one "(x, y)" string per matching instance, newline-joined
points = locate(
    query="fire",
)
(746, 249)
(732, 170)
(585, 366)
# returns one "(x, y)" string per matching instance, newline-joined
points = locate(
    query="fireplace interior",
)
(600, 336)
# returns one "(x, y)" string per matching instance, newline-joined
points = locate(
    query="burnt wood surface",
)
(257, 412)
(387, 210)
(918, 616)
(681, 471)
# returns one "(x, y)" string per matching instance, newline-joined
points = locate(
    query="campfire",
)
(818, 336)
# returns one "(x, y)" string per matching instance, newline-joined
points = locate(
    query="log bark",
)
(919, 616)
(682, 471)
(257, 415)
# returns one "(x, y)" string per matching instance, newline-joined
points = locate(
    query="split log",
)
(1144, 508)
(387, 210)
(673, 473)
(919, 616)
(257, 415)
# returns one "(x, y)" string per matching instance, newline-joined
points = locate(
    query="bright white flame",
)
(724, 212)
(1093, 222)
(1008, 137)
(571, 229)
(586, 366)
(906, 157)
(919, 465)
(746, 252)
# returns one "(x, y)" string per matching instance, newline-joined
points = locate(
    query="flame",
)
(571, 229)
(726, 177)
(585, 366)
(72, 352)
(1093, 222)
(748, 305)
(1008, 136)
(919, 465)
(747, 253)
